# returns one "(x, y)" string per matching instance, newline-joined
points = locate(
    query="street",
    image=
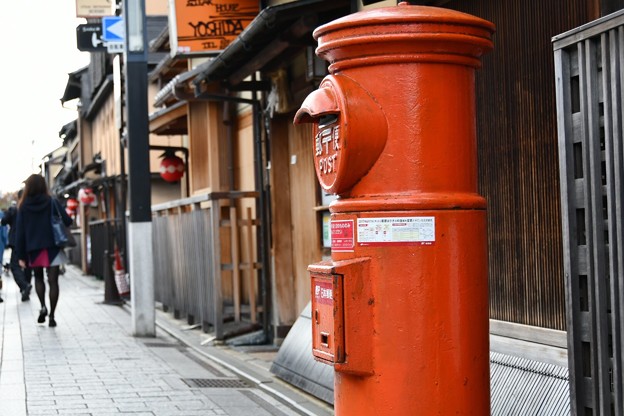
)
(90, 364)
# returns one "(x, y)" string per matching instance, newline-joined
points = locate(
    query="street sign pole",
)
(139, 186)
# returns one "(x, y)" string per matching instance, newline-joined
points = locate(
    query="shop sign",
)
(93, 8)
(206, 27)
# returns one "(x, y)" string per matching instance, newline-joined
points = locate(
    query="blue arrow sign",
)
(113, 29)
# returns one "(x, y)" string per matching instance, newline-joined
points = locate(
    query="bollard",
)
(401, 310)
(111, 295)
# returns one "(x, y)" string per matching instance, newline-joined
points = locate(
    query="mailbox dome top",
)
(403, 14)
(414, 33)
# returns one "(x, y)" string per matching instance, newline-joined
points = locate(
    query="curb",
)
(238, 364)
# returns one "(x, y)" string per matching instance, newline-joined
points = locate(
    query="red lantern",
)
(72, 204)
(86, 196)
(171, 167)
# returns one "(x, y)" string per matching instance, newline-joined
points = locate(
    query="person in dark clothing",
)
(3, 245)
(34, 241)
(21, 276)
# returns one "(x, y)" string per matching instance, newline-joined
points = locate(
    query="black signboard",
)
(89, 38)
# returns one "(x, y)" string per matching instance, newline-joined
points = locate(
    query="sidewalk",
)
(90, 364)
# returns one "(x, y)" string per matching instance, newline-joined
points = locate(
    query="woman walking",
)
(34, 240)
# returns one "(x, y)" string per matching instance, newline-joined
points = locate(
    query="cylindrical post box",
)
(401, 310)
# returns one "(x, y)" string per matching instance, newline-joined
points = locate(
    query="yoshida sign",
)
(203, 27)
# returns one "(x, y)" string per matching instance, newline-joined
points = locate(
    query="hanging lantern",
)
(72, 204)
(86, 196)
(171, 167)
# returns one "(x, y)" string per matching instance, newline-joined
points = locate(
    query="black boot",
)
(42, 314)
(26, 293)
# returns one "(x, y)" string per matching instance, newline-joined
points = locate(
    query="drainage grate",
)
(176, 347)
(226, 383)
(161, 345)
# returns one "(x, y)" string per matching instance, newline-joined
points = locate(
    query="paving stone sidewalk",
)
(90, 364)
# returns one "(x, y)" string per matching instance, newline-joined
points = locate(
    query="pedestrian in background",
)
(3, 241)
(21, 276)
(4, 237)
(34, 241)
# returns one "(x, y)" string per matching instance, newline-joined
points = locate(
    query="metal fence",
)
(103, 235)
(589, 64)
(74, 254)
(205, 260)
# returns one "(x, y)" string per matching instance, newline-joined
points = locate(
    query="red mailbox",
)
(401, 310)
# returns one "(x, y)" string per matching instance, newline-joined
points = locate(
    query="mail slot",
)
(342, 111)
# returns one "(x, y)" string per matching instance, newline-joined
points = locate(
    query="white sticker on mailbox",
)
(396, 231)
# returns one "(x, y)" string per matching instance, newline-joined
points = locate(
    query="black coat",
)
(34, 226)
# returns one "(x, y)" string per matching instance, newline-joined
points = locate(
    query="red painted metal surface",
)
(395, 137)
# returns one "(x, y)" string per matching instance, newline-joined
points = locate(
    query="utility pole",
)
(32, 156)
(139, 186)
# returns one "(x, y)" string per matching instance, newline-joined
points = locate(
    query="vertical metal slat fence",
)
(588, 73)
(189, 264)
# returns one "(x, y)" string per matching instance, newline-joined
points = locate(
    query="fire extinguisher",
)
(121, 277)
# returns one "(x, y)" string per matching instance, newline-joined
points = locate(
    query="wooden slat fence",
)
(206, 260)
(589, 63)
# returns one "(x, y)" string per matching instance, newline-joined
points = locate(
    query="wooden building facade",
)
(209, 101)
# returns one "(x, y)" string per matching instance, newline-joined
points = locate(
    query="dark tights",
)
(53, 277)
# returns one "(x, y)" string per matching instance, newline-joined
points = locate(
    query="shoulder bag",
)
(62, 234)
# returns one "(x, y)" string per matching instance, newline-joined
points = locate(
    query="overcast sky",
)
(38, 51)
